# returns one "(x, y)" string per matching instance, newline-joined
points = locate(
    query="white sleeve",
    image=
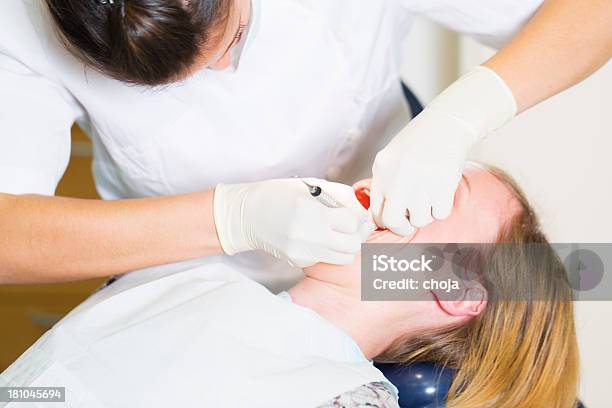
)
(36, 115)
(491, 22)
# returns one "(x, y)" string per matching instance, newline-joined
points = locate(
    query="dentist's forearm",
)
(565, 42)
(53, 239)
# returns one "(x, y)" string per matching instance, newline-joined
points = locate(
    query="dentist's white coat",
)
(316, 88)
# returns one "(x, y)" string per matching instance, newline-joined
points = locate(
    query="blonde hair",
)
(517, 353)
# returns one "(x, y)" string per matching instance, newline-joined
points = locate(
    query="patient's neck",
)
(372, 331)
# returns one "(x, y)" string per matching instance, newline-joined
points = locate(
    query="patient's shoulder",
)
(373, 395)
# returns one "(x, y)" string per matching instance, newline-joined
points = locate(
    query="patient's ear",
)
(471, 302)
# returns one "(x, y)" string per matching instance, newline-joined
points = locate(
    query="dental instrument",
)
(324, 198)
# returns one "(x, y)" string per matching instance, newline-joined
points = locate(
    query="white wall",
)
(559, 152)
(431, 59)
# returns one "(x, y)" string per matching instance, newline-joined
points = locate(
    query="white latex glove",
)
(281, 218)
(416, 175)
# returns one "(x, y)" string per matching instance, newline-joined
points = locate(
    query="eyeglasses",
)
(236, 48)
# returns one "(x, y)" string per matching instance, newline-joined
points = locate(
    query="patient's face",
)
(483, 205)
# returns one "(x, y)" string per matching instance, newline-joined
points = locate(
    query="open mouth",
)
(363, 195)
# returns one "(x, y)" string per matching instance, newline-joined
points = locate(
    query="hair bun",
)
(146, 42)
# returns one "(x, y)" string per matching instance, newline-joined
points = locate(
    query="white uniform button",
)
(333, 173)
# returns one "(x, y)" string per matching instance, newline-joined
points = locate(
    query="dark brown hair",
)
(146, 42)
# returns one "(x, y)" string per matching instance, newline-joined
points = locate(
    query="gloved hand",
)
(283, 219)
(416, 175)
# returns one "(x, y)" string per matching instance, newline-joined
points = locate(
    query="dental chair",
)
(421, 385)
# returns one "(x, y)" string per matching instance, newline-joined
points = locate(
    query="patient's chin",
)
(386, 237)
(349, 276)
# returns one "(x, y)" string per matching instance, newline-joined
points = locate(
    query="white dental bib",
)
(206, 337)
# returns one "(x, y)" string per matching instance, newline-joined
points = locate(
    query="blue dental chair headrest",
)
(422, 385)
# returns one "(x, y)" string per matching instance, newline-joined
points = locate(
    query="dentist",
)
(201, 111)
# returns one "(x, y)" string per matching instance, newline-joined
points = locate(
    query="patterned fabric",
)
(372, 395)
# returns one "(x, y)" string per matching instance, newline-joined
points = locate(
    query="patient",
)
(210, 337)
(508, 353)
